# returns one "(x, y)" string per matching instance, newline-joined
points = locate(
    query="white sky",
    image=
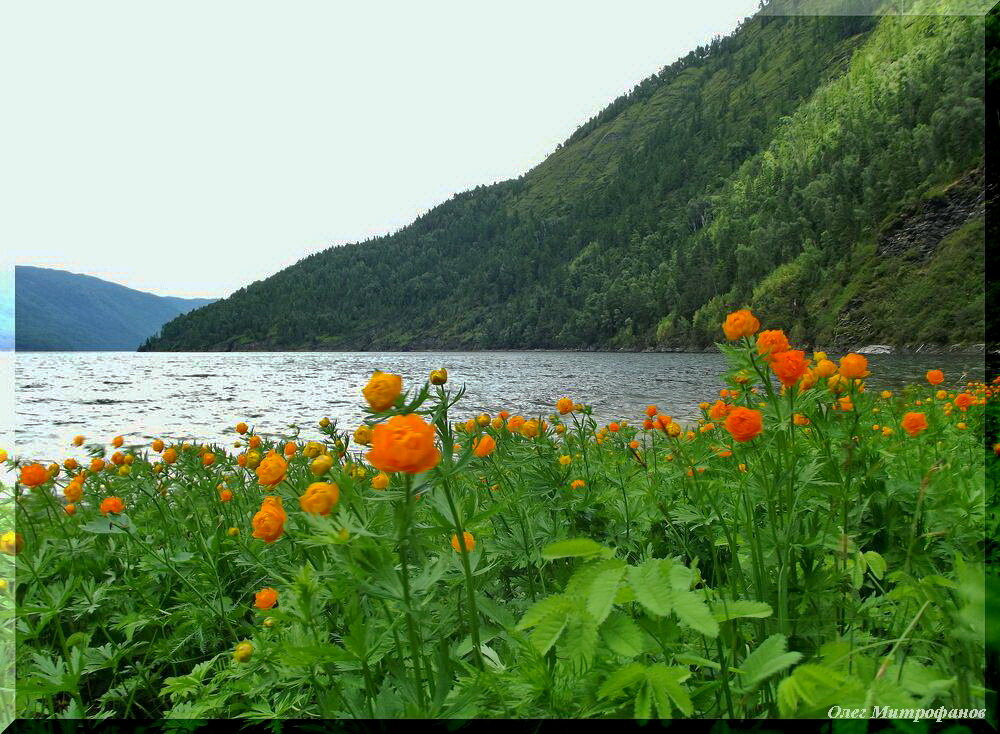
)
(190, 148)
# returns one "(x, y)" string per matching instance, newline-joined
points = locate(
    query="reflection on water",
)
(201, 396)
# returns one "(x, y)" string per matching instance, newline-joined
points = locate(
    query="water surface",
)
(201, 396)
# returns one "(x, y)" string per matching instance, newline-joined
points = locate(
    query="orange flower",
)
(515, 423)
(74, 491)
(241, 428)
(739, 324)
(853, 366)
(117, 442)
(564, 406)
(647, 424)
(70, 464)
(771, 342)
(265, 598)
(470, 542)
(483, 447)
(70, 509)
(113, 505)
(800, 420)
(226, 495)
(96, 465)
(577, 484)
(382, 390)
(380, 481)
(825, 368)
(33, 475)
(170, 456)
(320, 498)
(117, 458)
(254, 442)
(789, 366)
(935, 377)
(744, 424)
(719, 410)
(651, 410)
(271, 470)
(914, 423)
(78, 440)
(405, 443)
(158, 446)
(530, 429)
(208, 459)
(964, 400)
(269, 523)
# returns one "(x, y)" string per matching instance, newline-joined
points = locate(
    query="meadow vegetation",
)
(807, 543)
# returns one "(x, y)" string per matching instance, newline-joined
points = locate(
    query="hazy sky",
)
(190, 148)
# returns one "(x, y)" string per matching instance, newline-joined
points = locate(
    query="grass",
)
(637, 569)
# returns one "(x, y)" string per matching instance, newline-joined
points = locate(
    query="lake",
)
(202, 396)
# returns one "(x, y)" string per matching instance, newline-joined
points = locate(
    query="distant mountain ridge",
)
(814, 168)
(55, 310)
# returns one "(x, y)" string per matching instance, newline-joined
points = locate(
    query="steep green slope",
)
(791, 141)
(59, 311)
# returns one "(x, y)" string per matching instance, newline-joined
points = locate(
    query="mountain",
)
(59, 311)
(826, 171)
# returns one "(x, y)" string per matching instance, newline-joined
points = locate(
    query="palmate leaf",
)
(544, 608)
(622, 635)
(621, 679)
(603, 590)
(547, 632)
(692, 611)
(768, 658)
(665, 685)
(651, 587)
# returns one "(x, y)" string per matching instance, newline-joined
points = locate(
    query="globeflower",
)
(78, 440)
(935, 377)
(739, 324)
(963, 400)
(269, 523)
(744, 424)
(914, 423)
(112, 505)
(789, 366)
(483, 447)
(382, 390)
(470, 542)
(771, 342)
(243, 652)
(33, 475)
(320, 498)
(564, 406)
(11, 543)
(265, 598)
(363, 435)
(439, 376)
(719, 410)
(853, 366)
(272, 470)
(404, 443)
(380, 481)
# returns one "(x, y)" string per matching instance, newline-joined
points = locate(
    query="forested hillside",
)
(59, 311)
(825, 170)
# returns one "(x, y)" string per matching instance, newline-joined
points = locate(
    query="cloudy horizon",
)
(191, 150)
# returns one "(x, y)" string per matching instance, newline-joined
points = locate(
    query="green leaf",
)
(650, 587)
(575, 548)
(580, 641)
(621, 679)
(876, 564)
(548, 631)
(727, 609)
(768, 658)
(112, 524)
(643, 709)
(665, 683)
(603, 590)
(543, 609)
(622, 635)
(691, 609)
